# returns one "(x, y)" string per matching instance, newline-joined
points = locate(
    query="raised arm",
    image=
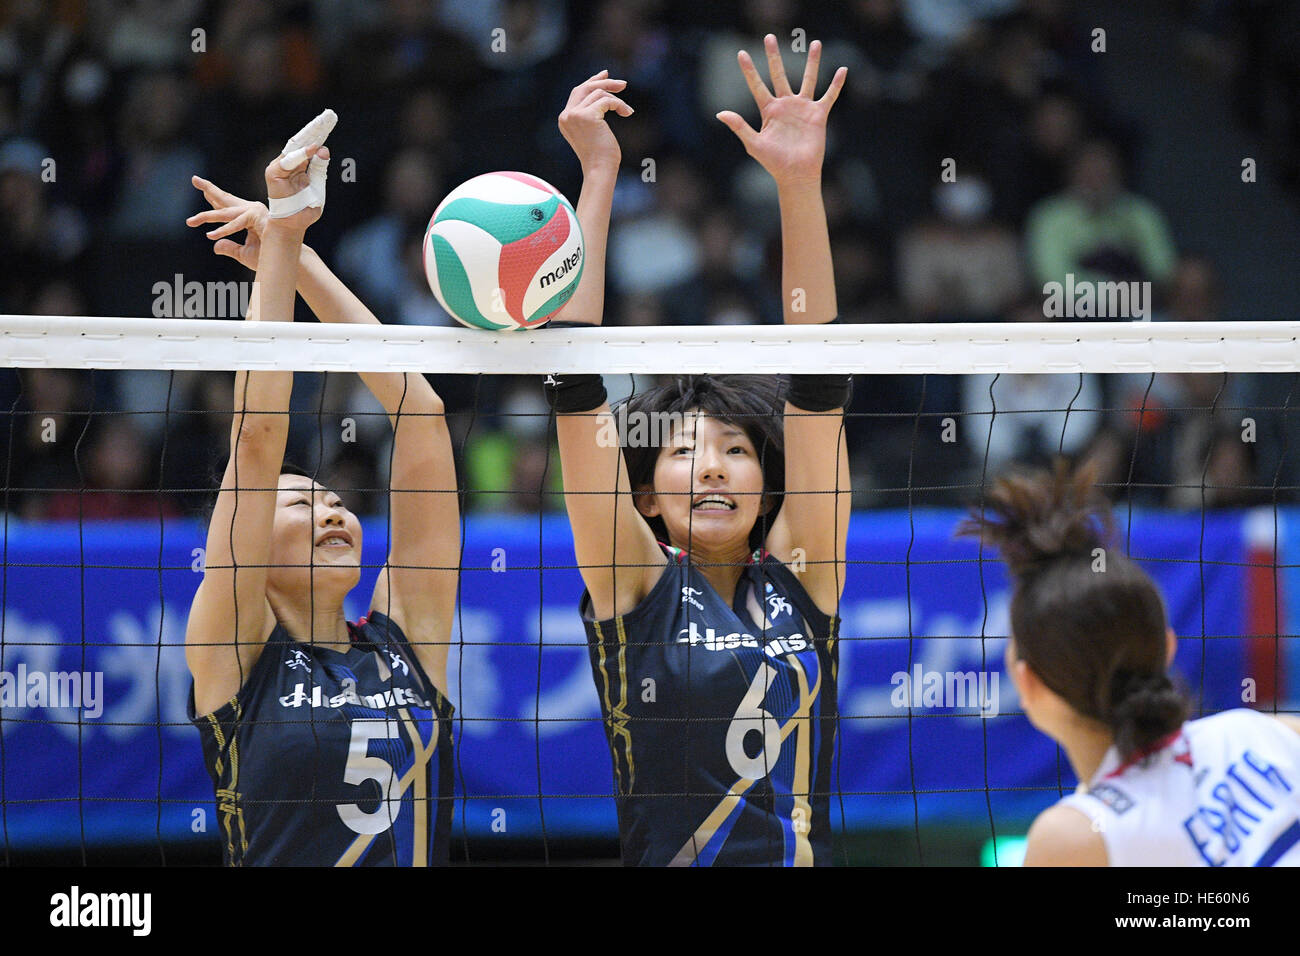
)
(583, 126)
(417, 586)
(615, 548)
(791, 144)
(230, 618)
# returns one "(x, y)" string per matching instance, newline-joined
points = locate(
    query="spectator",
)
(1097, 231)
(48, 421)
(404, 46)
(959, 265)
(952, 22)
(864, 284)
(622, 39)
(247, 113)
(502, 465)
(197, 441)
(148, 34)
(535, 479)
(119, 470)
(1194, 294)
(1055, 135)
(1028, 419)
(1164, 426)
(372, 256)
(157, 161)
(39, 234)
(415, 303)
(34, 45)
(669, 230)
(1231, 478)
(532, 30)
(891, 100)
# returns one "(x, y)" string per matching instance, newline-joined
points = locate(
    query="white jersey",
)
(1221, 791)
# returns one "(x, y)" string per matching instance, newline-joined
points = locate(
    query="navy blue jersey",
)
(721, 718)
(326, 758)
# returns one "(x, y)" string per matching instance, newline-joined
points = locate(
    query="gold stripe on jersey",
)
(228, 798)
(420, 802)
(801, 813)
(803, 844)
(687, 854)
(622, 702)
(832, 638)
(616, 716)
(234, 778)
(609, 707)
(224, 803)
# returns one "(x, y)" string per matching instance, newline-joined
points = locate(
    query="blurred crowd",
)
(108, 106)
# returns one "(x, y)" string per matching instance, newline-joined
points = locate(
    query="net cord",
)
(28, 341)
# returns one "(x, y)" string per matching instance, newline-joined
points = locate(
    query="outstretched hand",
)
(237, 215)
(583, 121)
(791, 142)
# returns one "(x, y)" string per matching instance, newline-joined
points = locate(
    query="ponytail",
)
(1143, 709)
(1094, 634)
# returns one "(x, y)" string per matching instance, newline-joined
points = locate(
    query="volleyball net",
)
(116, 429)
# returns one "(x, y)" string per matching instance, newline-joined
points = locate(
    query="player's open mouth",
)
(335, 539)
(713, 503)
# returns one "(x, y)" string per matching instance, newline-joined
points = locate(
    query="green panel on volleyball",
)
(557, 300)
(455, 286)
(504, 222)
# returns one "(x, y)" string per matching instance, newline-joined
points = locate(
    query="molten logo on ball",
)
(503, 252)
(565, 267)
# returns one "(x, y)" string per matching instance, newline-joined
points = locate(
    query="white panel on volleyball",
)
(472, 245)
(539, 289)
(495, 188)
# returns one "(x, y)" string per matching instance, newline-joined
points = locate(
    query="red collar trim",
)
(1141, 755)
(682, 556)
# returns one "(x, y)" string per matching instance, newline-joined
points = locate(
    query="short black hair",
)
(753, 403)
(289, 468)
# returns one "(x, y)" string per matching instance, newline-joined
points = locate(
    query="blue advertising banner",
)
(94, 744)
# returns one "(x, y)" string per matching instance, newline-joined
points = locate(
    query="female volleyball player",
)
(1089, 655)
(711, 601)
(329, 743)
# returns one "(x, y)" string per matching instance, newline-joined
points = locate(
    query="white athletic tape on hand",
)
(317, 131)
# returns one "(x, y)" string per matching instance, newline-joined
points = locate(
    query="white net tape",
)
(28, 341)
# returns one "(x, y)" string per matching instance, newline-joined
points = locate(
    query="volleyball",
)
(503, 252)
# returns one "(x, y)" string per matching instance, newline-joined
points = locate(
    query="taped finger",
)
(293, 159)
(317, 131)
